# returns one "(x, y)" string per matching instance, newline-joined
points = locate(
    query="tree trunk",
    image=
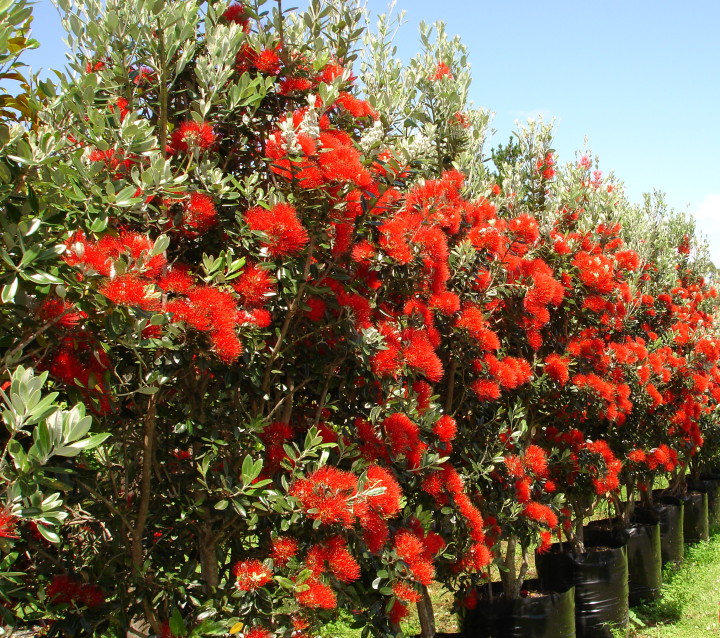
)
(646, 497)
(207, 546)
(426, 615)
(578, 540)
(511, 578)
(625, 510)
(145, 486)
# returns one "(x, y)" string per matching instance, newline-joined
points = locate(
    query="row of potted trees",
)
(589, 594)
(334, 351)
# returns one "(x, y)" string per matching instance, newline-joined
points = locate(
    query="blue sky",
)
(639, 78)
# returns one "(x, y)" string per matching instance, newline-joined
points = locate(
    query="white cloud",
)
(707, 216)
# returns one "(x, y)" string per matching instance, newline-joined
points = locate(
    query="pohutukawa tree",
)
(338, 359)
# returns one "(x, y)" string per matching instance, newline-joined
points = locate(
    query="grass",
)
(690, 598)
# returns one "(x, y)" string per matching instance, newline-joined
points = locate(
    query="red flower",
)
(65, 590)
(411, 550)
(446, 302)
(340, 161)
(541, 513)
(486, 390)
(628, 259)
(476, 559)
(684, 247)
(472, 516)
(251, 574)
(535, 460)
(473, 320)
(130, 290)
(254, 285)
(237, 13)
(199, 212)
(420, 354)
(52, 308)
(445, 428)
(7, 524)
(290, 85)
(190, 134)
(386, 504)
(326, 495)
(556, 368)
(595, 271)
(165, 631)
(397, 612)
(406, 592)
(317, 596)
(514, 465)
(284, 234)
(522, 490)
(545, 542)
(178, 280)
(404, 437)
(340, 561)
(442, 70)
(357, 108)
(423, 392)
(316, 309)
(268, 62)
(525, 228)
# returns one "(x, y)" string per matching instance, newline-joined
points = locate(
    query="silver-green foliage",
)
(39, 428)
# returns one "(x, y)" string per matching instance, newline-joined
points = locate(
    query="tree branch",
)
(145, 485)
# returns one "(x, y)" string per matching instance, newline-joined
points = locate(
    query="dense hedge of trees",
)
(280, 336)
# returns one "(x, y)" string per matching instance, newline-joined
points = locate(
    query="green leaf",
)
(48, 534)
(76, 429)
(160, 246)
(18, 455)
(40, 277)
(9, 290)
(92, 441)
(148, 389)
(250, 469)
(125, 196)
(285, 583)
(177, 624)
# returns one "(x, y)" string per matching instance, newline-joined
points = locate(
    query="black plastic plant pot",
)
(671, 513)
(695, 519)
(600, 577)
(644, 553)
(540, 614)
(709, 483)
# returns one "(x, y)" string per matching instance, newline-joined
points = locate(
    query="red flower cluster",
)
(251, 574)
(208, 309)
(8, 522)
(331, 496)
(312, 154)
(191, 135)
(64, 589)
(81, 362)
(283, 234)
(333, 556)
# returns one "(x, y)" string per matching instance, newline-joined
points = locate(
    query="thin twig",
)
(292, 310)
(107, 502)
